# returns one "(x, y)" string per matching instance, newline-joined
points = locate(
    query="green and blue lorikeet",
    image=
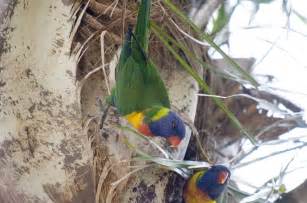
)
(206, 186)
(140, 95)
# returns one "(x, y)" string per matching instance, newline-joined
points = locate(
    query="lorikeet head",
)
(213, 182)
(169, 126)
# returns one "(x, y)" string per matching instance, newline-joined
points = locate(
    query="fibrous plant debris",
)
(110, 153)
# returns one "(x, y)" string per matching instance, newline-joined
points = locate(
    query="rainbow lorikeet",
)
(206, 186)
(139, 94)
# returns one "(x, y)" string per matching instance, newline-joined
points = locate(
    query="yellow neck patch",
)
(135, 119)
(161, 113)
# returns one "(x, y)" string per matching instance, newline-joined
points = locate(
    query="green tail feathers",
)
(142, 26)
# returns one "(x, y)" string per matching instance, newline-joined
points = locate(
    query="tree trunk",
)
(44, 156)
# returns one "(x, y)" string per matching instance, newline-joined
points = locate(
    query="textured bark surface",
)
(44, 156)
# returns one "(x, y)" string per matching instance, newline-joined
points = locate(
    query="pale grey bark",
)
(44, 153)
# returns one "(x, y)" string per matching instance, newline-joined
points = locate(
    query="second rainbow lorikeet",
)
(140, 95)
(206, 186)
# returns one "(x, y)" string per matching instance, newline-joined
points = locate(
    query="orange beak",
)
(223, 177)
(174, 140)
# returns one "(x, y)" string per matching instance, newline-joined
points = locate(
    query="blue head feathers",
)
(213, 182)
(170, 127)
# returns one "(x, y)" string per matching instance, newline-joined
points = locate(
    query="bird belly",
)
(194, 199)
(194, 195)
